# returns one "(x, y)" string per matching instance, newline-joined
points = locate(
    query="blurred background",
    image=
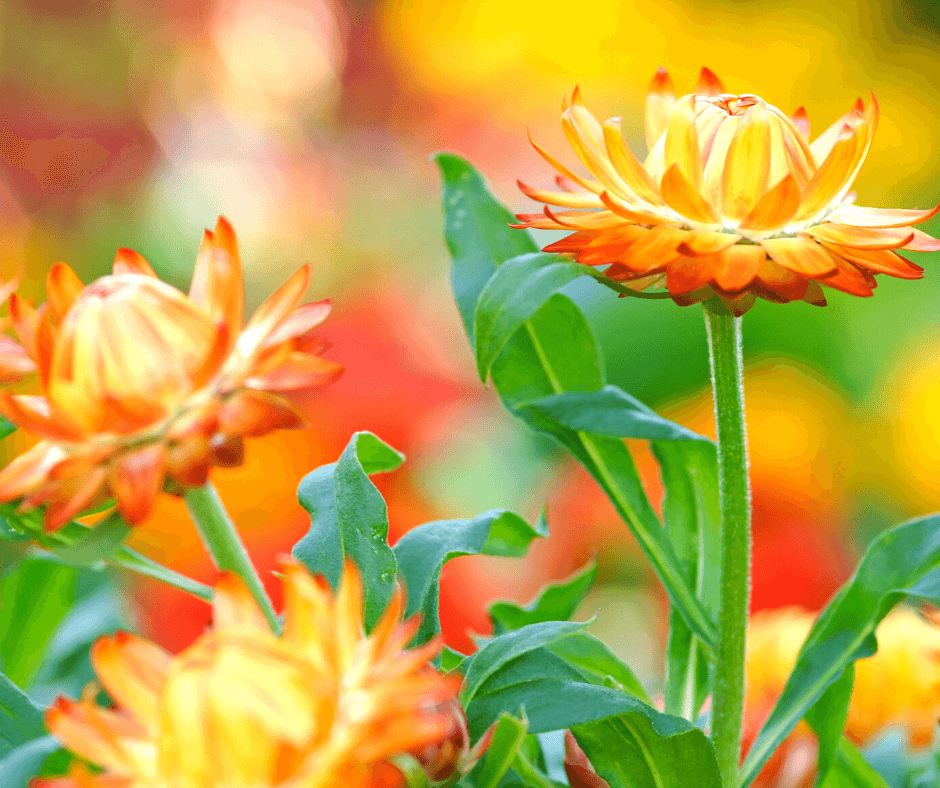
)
(309, 123)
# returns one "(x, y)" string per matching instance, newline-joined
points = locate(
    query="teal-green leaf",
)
(24, 762)
(422, 552)
(477, 232)
(512, 295)
(36, 595)
(632, 751)
(556, 602)
(20, 719)
(904, 561)
(508, 736)
(690, 509)
(503, 649)
(349, 519)
(597, 663)
(610, 412)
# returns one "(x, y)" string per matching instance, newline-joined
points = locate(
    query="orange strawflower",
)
(321, 706)
(732, 200)
(140, 381)
(899, 685)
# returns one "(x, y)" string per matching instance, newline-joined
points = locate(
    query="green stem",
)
(724, 338)
(221, 539)
(126, 558)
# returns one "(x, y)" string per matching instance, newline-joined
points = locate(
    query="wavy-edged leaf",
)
(904, 561)
(422, 552)
(610, 412)
(556, 602)
(477, 232)
(349, 519)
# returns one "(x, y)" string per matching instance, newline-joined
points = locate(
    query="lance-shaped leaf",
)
(553, 352)
(349, 519)
(508, 736)
(422, 552)
(20, 718)
(904, 561)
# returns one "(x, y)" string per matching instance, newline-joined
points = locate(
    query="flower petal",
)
(127, 261)
(709, 84)
(858, 216)
(15, 362)
(255, 413)
(632, 214)
(681, 145)
(74, 497)
(217, 284)
(659, 104)
(136, 479)
(775, 208)
(700, 243)
(683, 197)
(862, 237)
(32, 413)
(62, 288)
(800, 119)
(849, 279)
(591, 186)
(29, 470)
(881, 261)
(747, 165)
(609, 246)
(654, 250)
(132, 671)
(234, 606)
(823, 144)
(736, 267)
(922, 243)
(800, 255)
(272, 313)
(301, 371)
(628, 166)
(782, 281)
(561, 199)
(25, 321)
(814, 294)
(96, 734)
(687, 274)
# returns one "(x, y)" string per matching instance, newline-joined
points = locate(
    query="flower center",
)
(731, 103)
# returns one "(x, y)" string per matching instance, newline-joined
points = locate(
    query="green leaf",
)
(349, 519)
(20, 719)
(532, 775)
(7, 427)
(553, 353)
(636, 750)
(422, 552)
(505, 648)
(690, 508)
(597, 663)
(34, 598)
(126, 558)
(26, 761)
(91, 546)
(850, 770)
(610, 412)
(477, 231)
(508, 736)
(904, 561)
(557, 602)
(512, 295)
(827, 718)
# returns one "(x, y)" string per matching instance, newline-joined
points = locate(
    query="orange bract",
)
(141, 381)
(322, 706)
(732, 200)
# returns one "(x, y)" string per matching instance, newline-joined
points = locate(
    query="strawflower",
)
(732, 200)
(321, 706)
(141, 382)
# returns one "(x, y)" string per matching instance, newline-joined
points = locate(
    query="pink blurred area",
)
(308, 124)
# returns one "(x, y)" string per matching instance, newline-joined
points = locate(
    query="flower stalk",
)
(221, 539)
(724, 341)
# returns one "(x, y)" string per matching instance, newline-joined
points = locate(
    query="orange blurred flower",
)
(732, 200)
(321, 706)
(899, 685)
(141, 381)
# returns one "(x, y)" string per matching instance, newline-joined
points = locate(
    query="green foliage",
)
(553, 352)
(557, 602)
(905, 561)
(508, 735)
(20, 718)
(36, 596)
(423, 551)
(349, 519)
